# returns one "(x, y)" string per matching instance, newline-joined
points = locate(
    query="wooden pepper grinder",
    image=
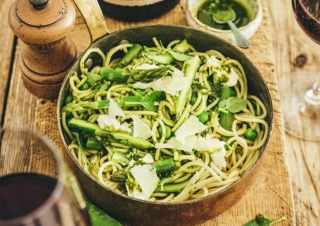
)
(48, 55)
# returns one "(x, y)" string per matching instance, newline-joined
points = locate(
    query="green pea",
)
(69, 115)
(168, 131)
(68, 99)
(193, 100)
(251, 134)
(203, 117)
(85, 86)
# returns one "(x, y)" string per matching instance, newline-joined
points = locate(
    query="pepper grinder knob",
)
(39, 4)
(42, 25)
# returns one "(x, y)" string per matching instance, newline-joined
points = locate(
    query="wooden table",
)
(274, 48)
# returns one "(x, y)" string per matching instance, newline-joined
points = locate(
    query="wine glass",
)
(36, 187)
(301, 105)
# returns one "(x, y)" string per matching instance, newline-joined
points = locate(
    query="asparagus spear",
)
(182, 46)
(133, 52)
(191, 67)
(161, 166)
(160, 58)
(131, 76)
(226, 118)
(85, 105)
(123, 137)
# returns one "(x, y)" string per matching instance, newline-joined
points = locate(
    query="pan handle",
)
(93, 17)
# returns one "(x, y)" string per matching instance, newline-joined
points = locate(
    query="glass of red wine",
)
(301, 104)
(36, 186)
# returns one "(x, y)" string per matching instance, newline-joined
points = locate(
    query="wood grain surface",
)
(294, 51)
(6, 58)
(275, 47)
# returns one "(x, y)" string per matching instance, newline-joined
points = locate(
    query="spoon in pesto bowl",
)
(228, 16)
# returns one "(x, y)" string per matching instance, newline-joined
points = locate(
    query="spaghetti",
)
(199, 171)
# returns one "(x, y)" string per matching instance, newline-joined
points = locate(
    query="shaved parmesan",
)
(215, 65)
(110, 120)
(174, 143)
(146, 66)
(147, 179)
(192, 142)
(140, 128)
(233, 79)
(206, 144)
(190, 127)
(105, 121)
(213, 61)
(218, 156)
(148, 158)
(171, 85)
(114, 109)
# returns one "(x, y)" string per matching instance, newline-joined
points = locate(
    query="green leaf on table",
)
(261, 220)
(99, 217)
(149, 101)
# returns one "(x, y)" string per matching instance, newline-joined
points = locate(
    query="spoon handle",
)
(240, 39)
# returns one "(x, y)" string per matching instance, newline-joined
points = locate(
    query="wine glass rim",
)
(61, 178)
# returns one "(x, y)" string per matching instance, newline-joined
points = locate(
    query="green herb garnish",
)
(261, 220)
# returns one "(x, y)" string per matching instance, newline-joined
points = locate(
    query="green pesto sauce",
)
(205, 16)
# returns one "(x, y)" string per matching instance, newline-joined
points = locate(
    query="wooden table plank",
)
(270, 194)
(289, 42)
(6, 58)
(303, 156)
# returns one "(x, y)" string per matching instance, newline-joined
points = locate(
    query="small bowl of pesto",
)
(202, 14)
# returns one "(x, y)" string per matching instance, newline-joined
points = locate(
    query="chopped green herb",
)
(261, 220)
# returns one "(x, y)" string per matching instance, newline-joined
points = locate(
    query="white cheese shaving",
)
(147, 179)
(233, 79)
(148, 158)
(213, 61)
(173, 143)
(206, 144)
(110, 120)
(135, 194)
(171, 85)
(218, 156)
(192, 142)
(146, 66)
(114, 110)
(215, 65)
(140, 128)
(190, 127)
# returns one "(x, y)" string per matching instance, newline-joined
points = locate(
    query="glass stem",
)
(312, 96)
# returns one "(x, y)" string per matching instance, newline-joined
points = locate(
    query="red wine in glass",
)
(307, 14)
(300, 104)
(23, 193)
(33, 192)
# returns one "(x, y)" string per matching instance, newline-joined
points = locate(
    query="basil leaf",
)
(261, 220)
(130, 101)
(234, 104)
(148, 101)
(222, 104)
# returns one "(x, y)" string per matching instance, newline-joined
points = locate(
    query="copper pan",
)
(138, 212)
